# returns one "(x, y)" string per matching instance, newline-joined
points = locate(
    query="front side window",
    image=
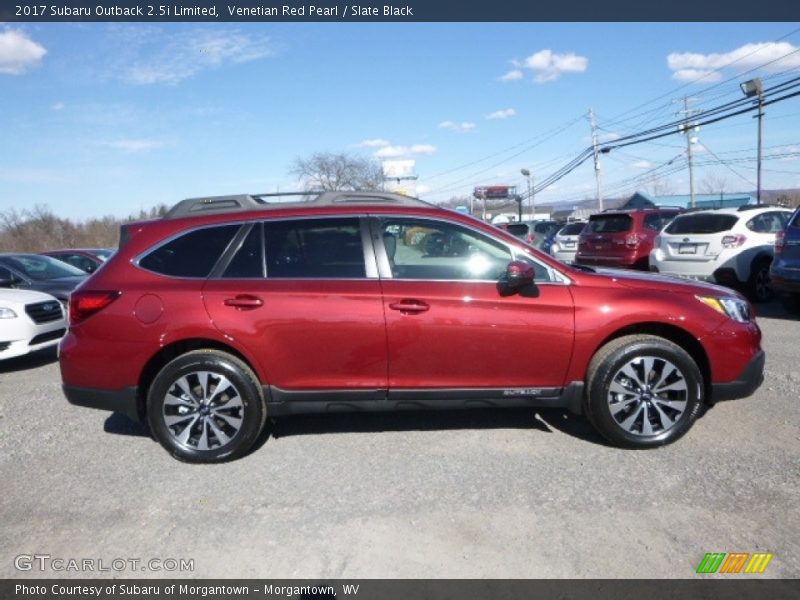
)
(422, 249)
(192, 254)
(314, 248)
(768, 222)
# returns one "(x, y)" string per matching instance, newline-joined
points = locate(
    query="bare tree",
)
(713, 184)
(660, 186)
(330, 171)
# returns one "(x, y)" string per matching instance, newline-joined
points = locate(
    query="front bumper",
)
(122, 401)
(748, 381)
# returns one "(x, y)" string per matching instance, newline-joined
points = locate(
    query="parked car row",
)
(727, 246)
(34, 289)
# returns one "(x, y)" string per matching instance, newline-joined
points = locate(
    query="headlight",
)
(735, 308)
(7, 313)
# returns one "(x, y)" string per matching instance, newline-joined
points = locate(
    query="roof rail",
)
(246, 202)
(756, 206)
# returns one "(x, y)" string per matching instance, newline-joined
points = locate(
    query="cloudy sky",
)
(110, 118)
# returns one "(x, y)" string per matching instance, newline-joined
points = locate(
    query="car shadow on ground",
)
(544, 420)
(774, 309)
(121, 425)
(29, 361)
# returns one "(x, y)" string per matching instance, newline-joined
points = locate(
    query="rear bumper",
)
(782, 282)
(121, 401)
(748, 381)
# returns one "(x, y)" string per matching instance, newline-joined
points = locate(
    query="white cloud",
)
(423, 149)
(549, 66)
(462, 127)
(608, 136)
(642, 164)
(693, 66)
(422, 189)
(402, 151)
(502, 114)
(512, 75)
(134, 145)
(58, 106)
(18, 52)
(152, 56)
(373, 143)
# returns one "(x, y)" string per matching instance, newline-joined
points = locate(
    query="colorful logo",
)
(734, 562)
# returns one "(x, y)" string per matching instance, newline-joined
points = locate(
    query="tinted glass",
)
(769, 222)
(609, 224)
(572, 229)
(518, 229)
(701, 223)
(656, 221)
(248, 262)
(795, 220)
(193, 254)
(103, 254)
(315, 248)
(422, 249)
(41, 268)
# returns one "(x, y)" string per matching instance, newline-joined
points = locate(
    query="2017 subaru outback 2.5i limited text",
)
(233, 308)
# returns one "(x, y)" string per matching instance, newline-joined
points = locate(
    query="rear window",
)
(517, 229)
(701, 223)
(572, 229)
(609, 224)
(193, 254)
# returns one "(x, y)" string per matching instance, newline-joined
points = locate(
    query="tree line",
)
(39, 229)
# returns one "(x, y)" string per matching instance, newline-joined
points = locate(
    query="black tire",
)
(206, 406)
(637, 414)
(758, 289)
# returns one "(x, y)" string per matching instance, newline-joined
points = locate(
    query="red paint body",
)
(355, 334)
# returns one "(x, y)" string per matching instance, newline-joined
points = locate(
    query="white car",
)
(29, 321)
(565, 244)
(730, 246)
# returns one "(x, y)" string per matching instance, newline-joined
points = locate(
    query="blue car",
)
(784, 274)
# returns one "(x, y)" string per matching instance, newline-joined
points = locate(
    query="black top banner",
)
(398, 10)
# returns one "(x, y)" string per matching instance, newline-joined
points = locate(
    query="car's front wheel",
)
(758, 286)
(643, 391)
(206, 406)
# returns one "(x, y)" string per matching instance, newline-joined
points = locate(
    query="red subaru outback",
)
(233, 308)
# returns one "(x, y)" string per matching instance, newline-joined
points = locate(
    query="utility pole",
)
(687, 128)
(597, 176)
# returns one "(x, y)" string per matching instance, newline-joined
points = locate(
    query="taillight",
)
(83, 305)
(631, 240)
(780, 241)
(531, 238)
(733, 241)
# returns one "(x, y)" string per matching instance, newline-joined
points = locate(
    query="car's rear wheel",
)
(643, 391)
(758, 286)
(791, 302)
(206, 406)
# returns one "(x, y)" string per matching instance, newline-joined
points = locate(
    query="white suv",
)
(29, 321)
(730, 246)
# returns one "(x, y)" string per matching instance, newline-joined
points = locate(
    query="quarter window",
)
(193, 254)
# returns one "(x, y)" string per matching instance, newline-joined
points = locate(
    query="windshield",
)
(42, 268)
(102, 254)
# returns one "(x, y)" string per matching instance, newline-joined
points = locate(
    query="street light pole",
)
(751, 88)
(527, 175)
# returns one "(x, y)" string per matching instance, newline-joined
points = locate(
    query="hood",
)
(650, 281)
(9, 297)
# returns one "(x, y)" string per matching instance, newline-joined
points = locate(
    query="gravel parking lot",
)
(515, 493)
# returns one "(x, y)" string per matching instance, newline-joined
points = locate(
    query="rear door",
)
(790, 257)
(604, 236)
(448, 326)
(697, 237)
(303, 296)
